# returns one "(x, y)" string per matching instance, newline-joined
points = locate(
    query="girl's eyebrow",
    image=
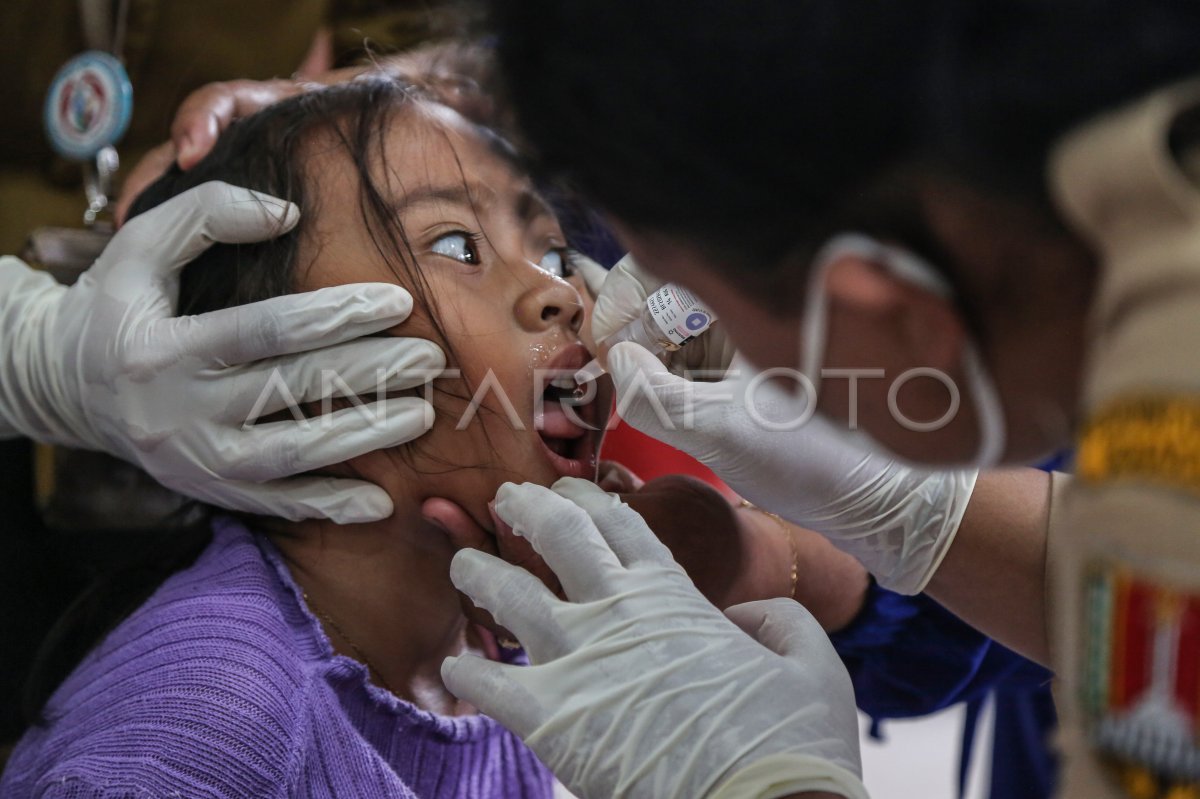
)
(474, 196)
(477, 197)
(529, 205)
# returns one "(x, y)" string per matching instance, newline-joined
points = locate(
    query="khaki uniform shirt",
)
(172, 47)
(1125, 535)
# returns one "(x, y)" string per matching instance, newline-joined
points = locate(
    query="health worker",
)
(974, 229)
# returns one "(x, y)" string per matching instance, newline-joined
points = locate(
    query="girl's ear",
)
(461, 530)
(921, 322)
(464, 532)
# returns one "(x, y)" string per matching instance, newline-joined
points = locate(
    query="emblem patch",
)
(1141, 681)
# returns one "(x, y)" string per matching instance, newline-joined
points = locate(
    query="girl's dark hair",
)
(746, 127)
(268, 152)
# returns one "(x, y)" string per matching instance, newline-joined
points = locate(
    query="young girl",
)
(301, 659)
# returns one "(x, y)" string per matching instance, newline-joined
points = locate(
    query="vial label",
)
(679, 314)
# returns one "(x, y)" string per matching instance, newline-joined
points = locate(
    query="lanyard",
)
(90, 102)
(99, 29)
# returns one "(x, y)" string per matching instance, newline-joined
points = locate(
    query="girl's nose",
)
(550, 301)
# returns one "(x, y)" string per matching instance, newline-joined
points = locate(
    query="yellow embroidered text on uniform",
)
(1151, 438)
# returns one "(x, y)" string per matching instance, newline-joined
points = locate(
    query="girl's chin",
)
(489, 638)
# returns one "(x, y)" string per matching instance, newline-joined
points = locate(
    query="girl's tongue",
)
(556, 422)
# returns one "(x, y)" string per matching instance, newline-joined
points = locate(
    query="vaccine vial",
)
(671, 318)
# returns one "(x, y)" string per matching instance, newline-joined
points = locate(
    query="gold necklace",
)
(359, 655)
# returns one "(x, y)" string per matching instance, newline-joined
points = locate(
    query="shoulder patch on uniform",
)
(1150, 438)
(1140, 686)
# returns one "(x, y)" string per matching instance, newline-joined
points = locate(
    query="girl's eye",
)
(459, 246)
(557, 262)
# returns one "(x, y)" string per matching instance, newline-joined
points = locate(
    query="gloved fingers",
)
(626, 532)
(649, 397)
(593, 274)
(271, 450)
(707, 358)
(340, 500)
(517, 600)
(563, 534)
(366, 369)
(782, 625)
(221, 212)
(297, 323)
(776, 400)
(495, 690)
(622, 298)
(618, 478)
(516, 550)
(155, 246)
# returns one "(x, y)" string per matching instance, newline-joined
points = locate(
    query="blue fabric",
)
(908, 657)
(1023, 762)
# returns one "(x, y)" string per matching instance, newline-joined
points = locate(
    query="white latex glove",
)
(623, 299)
(593, 274)
(106, 365)
(638, 686)
(896, 520)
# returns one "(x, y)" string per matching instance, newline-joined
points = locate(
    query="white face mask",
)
(911, 269)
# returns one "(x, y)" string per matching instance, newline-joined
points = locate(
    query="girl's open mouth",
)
(568, 421)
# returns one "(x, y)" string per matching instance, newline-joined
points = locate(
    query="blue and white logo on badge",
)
(696, 321)
(88, 105)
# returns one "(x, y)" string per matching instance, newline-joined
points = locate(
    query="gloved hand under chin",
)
(639, 686)
(106, 364)
(897, 521)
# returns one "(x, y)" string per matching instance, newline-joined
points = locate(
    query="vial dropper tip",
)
(589, 372)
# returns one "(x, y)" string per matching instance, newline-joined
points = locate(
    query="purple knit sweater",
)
(223, 685)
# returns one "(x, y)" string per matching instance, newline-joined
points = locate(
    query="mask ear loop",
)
(914, 270)
(988, 412)
(814, 328)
